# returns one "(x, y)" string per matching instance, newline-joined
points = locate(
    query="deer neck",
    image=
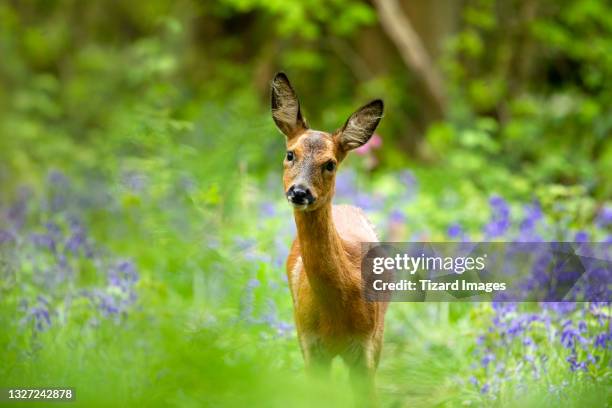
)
(325, 261)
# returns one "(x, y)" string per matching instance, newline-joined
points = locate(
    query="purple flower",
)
(409, 180)
(281, 248)
(576, 365)
(488, 358)
(57, 179)
(6, 236)
(253, 283)
(474, 381)
(527, 228)
(346, 184)
(107, 304)
(500, 217)
(267, 209)
(569, 336)
(454, 231)
(504, 307)
(365, 201)
(44, 241)
(39, 315)
(244, 243)
(397, 217)
(561, 308)
(581, 236)
(123, 275)
(283, 328)
(248, 299)
(135, 181)
(601, 340)
(16, 214)
(58, 190)
(75, 242)
(604, 217)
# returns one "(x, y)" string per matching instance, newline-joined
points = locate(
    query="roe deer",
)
(331, 313)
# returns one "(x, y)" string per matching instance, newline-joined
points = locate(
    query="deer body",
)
(324, 265)
(324, 276)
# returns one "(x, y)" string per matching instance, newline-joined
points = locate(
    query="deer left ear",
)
(286, 107)
(361, 125)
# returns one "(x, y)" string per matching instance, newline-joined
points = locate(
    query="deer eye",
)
(290, 156)
(330, 165)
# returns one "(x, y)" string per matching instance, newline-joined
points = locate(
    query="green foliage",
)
(311, 19)
(534, 72)
(157, 114)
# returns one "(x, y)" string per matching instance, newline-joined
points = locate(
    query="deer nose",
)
(300, 194)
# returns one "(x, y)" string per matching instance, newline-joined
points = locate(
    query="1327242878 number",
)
(37, 393)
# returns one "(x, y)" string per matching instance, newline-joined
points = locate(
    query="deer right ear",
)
(286, 107)
(361, 125)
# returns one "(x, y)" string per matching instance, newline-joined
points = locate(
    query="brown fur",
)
(331, 313)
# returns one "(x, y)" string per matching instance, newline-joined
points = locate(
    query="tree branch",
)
(409, 45)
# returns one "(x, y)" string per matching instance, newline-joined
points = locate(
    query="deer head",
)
(313, 156)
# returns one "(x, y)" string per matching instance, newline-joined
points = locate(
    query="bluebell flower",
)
(576, 365)
(581, 236)
(569, 336)
(244, 243)
(6, 236)
(488, 358)
(75, 242)
(500, 217)
(58, 190)
(281, 248)
(44, 240)
(561, 308)
(248, 299)
(604, 217)
(346, 184)
(128, 271)
(16, 213)
(107, 304)
(601, 340)
(474, 381)
(368, 202)
(397, 217)
(39, 315)
(284, 329)
(454, 231)
(528, 226)
(409, 180)
(267, 209)
(253, 283)
(135, 181)
(57, 179)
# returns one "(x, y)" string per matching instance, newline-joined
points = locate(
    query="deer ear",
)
(286, 107)
(361, 125)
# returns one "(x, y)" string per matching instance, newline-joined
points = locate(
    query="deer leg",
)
(316, 358)
(361, 359)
